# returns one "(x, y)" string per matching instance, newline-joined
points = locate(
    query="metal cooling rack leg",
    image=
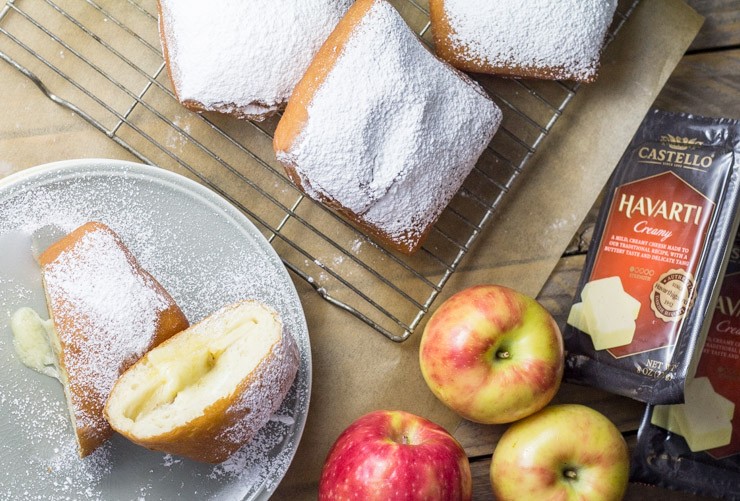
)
(70, 106)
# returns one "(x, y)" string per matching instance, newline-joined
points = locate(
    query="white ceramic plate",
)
(207, 255)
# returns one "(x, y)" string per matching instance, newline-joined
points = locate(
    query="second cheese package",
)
(695, 446)
(661, 241)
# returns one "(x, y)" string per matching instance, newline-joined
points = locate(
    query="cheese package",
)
(695, 446)
(661, 241)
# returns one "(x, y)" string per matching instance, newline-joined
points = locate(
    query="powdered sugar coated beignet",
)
(552, 39)
(381, 129)
(107, 312)
(242, 57)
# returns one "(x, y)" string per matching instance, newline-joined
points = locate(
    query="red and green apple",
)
(394, 455)
(492, 354)
(565, 452)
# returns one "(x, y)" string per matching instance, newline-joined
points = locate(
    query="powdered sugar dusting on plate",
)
(390, 135)
(198, 248)
(564, 35)
(51, 450)
(244, 57)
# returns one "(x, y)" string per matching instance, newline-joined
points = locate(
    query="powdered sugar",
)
(390, 134)
(244, 57)
(197, 247)
(562, 35)
(50, 450)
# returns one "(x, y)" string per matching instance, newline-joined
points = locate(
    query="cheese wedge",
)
(664, 417)
(704, 420)
(608, 313)
(576, 319)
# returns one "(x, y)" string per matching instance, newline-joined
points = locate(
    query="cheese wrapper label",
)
(660, 244)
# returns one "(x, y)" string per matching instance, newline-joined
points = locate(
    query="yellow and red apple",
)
(565, 452)
(387, 455)
(492, 354)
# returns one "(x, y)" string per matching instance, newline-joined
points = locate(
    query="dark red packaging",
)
(664, 454)
(661, 242)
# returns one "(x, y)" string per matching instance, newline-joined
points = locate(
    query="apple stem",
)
(570, 474)
(503, 355)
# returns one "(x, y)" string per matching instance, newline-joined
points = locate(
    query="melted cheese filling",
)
(31, 340)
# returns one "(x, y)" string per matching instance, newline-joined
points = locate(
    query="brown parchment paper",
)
(355, 369)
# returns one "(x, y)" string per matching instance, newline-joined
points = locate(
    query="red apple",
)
(394, 455)
(564, 452)
(492, 354)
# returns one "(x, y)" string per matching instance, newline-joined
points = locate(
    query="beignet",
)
(209, 389)
(382, 130)
(107, 312)
(242, 57)
(549, 39)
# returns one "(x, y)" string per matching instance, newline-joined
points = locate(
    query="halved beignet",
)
(208, 390)
(107, 312)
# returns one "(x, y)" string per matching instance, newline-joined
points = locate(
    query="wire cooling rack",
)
(102, 59)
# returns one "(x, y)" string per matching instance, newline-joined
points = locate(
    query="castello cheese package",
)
(695, 446)
(661, 242)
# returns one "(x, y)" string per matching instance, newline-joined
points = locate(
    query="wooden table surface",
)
(706, 82)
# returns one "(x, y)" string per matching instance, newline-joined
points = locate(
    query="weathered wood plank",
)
(481, 479)
(704, 84)
(722, 25)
